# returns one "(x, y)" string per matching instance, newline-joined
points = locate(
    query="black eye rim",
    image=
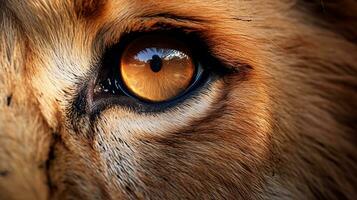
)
(208, 68)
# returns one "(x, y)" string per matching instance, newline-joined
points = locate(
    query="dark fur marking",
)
(128, 189)
(335, 15)
(8, 100)
(315, 191)
(4, 173)
(78, 110)
(80, 103)
(89, 8)
(51, 156)
(240, 19)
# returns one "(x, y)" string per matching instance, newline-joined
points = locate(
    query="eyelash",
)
(211, 67)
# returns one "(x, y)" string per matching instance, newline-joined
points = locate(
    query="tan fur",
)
(283, 128)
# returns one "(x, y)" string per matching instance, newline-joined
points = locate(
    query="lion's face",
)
(271, 116)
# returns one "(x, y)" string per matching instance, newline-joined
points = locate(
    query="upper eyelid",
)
(109, 35)
(111, 32)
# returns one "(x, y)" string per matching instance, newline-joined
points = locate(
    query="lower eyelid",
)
(180, 115)
(138, 106)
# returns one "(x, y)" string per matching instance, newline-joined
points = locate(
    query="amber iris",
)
(157, 68)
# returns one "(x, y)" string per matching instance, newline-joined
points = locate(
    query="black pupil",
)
(155, 63)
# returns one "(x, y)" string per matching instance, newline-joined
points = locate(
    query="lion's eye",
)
(156, 68)
(149, 72)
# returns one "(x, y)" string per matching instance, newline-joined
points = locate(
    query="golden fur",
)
(283, 128)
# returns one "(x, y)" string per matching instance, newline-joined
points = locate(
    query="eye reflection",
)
(157, 69)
